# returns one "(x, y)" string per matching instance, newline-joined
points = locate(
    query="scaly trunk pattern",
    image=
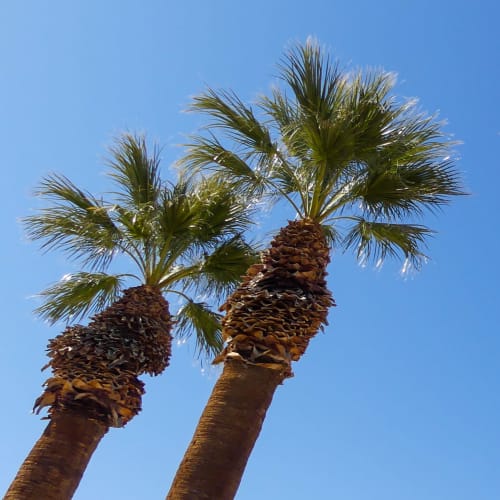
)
(231, 422)
(279, 306)
(55, 465)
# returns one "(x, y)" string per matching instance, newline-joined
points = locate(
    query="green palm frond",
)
(136, 171)
(194, 220)
(408, 189)
(332, 235)
(378, 240)
(220, 270)
(79, 294)
(208, 152)
(315, 82)
(229, 113)
(221, 211)
(198, 318)
(175, 215)
(75, 222)
(138, 224)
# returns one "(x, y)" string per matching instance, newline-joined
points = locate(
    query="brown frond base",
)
(282, 302)
(113, 397)
(95, 368)
(135, 331)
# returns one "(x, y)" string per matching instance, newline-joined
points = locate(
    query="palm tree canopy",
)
(339, 147)
(184, 238)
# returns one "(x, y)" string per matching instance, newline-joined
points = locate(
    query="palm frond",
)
(198, 318)
(378, 240)
(221, 270)
(75, 222)
(136, 171)
(139, 224)
(316, 83)
(229, 113)
(411, 171)
(331, 233)
(221, 211)
(77, 295)
(177, 215)
(209, 153)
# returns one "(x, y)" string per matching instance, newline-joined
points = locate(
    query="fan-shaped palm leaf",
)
(199, 317)
(80, 294)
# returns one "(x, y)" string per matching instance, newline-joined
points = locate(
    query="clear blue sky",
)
(399, 399)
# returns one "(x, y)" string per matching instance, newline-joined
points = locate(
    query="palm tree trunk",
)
(227, 431)
(279, 306)
(55, 465)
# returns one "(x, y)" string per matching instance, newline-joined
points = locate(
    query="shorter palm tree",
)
(183, 239)
(359, 168)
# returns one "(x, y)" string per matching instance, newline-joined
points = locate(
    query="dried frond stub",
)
(282, 302)
(95, 368)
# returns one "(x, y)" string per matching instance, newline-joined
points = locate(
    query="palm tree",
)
(358, 167)
(183, 239)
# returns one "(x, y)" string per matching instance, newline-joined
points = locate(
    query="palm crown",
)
(339, 148)
(183, 238)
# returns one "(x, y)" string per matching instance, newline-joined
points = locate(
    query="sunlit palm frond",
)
(221, 212)
(378, 240)
(174, 215)
(136, 171)
(208, 153)
(221, 270)
(410, 172)
(316, 83)
(137, 225)
(408, 189)
(332, 235)
(229, 113)
(79, 294)
(198, 318)
(75, 222)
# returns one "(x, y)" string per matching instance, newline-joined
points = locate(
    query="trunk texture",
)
(228, 429)
(55, 465)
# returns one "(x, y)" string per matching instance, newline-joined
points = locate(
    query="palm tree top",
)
(184, 238)
(339, 147)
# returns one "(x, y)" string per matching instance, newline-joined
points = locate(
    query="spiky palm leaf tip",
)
(182, 238)
(359, 166)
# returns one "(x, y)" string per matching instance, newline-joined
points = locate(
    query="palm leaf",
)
(77, 295)
(316, 83)
(135, 171)
(76, 223)
(377, 240)
(221, 212)
(238, 120)
(208, 152)
(219, 271)
(198, 318)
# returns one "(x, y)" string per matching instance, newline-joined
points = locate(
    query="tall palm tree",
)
(358, 167)
(183, 239)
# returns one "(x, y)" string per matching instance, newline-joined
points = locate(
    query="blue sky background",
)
(399, 399)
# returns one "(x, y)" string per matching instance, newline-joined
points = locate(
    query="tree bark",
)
(227, 431)
(55, 465)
